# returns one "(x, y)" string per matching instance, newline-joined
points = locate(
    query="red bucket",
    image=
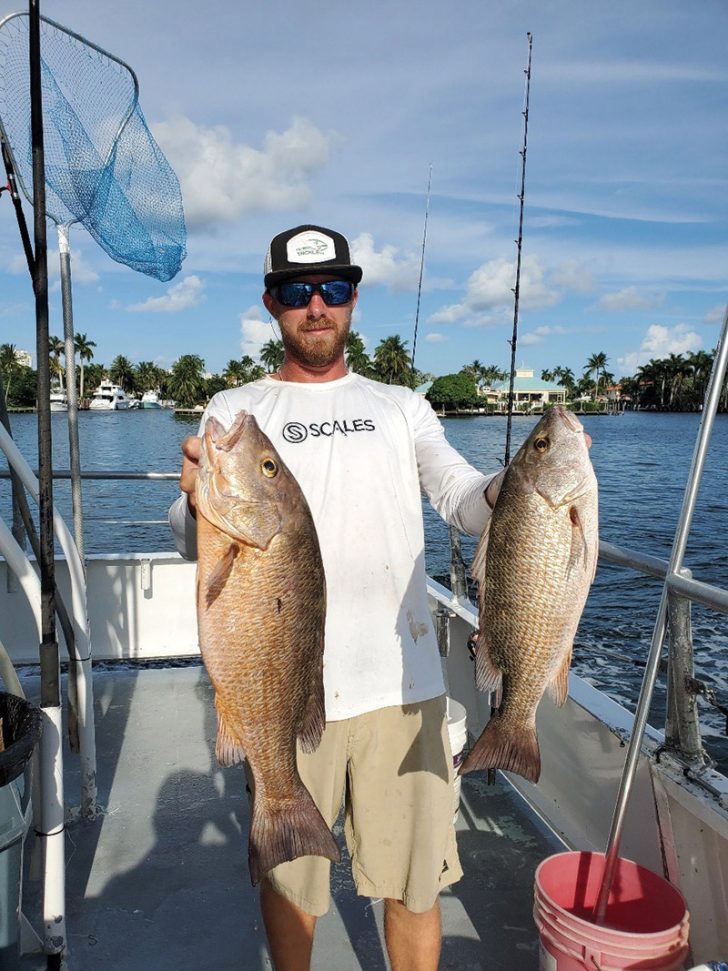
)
(646, 921)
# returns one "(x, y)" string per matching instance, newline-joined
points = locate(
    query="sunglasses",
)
(334, 293)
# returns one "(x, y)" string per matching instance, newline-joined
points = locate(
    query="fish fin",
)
(314, 719)
(500, 746)
(228, 750)
(286, 832)
(559, 685)
(219, 576)
(488, 676)
(579, 554)
(477, 567)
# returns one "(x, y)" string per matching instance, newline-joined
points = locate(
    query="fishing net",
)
(103, 167)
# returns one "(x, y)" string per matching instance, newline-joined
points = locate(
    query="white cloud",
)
(188, 293)
(716, 314)
(222, 179)
(628, 299)
(539, 334)
(573, 276)
(489, 293)
(659, 342)
(255, 332)
(388, 266)
(435, 338)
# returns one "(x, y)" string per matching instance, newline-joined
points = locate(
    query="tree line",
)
(674, 383)
(186, 382)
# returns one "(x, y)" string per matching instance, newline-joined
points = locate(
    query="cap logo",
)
(310, 247)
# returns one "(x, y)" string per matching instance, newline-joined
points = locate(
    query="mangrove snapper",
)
(261, 606)
(534, 565)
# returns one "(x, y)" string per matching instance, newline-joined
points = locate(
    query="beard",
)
(317, 350)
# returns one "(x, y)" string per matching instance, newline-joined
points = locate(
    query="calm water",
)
(641, 462)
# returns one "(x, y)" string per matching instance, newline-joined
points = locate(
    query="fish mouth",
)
(568, 418)
(226, 440)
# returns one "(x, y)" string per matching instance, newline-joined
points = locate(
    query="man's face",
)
(314, 335)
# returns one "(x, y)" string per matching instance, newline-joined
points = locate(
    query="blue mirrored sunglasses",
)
(334, 293)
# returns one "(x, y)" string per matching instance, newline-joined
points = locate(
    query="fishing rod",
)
(422, 267)
(519, 247)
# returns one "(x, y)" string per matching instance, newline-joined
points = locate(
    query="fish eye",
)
(269, 468)
(541, 445)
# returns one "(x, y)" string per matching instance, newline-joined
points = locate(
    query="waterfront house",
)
(530, 394)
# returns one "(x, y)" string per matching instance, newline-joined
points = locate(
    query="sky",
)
(279, 114)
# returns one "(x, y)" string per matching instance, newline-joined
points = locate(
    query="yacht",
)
(150, 399)
(58, 399)
(109, 397)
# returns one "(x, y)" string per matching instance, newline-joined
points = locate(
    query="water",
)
(641, 461)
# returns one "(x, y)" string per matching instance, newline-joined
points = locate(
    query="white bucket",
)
(456, 729)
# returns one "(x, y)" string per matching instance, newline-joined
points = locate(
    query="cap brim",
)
(346, 272)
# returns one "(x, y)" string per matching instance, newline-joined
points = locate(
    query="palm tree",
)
(234, 373)
(84, 348)
(701, 364)
(392, 361)
(56, 347)
(492, 373)
(121, 372)
(596, 363)
(186, 384)
(272, 355)
(357, 359)
(147, 376)
(8, 366)
(565, 377)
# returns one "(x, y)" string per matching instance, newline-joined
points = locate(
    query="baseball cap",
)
(308, 249)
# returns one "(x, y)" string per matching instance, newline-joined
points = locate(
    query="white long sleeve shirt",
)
(362, 453)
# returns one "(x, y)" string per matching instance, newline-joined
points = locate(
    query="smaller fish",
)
(534, 565)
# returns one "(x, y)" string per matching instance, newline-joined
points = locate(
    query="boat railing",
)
(682, 722)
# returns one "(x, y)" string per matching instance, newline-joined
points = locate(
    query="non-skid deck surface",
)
(160, 881)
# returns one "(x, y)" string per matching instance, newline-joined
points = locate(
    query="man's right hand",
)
(190, 466)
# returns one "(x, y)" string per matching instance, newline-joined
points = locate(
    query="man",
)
(362, 453)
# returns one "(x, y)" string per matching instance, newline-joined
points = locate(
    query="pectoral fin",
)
(219, 576)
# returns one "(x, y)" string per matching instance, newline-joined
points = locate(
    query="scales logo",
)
(296, 432)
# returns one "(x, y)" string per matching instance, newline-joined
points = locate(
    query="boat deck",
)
(160, 879)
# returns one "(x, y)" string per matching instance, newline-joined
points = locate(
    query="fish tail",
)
(502, 746)
(279, 834)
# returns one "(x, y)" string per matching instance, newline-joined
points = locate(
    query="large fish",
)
(534, 566)
(261, 605)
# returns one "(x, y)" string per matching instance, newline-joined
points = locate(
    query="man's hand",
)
(190, 466)
(494, 487)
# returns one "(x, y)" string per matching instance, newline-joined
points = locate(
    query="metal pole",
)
(653, 660)
(70, 350)
(51, 758)
(682, 723)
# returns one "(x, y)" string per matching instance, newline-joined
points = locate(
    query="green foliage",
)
(186, 384)
(454, 391)
(271, 355)
(392, 362)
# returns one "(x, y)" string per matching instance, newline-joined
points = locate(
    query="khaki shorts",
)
(392, 771)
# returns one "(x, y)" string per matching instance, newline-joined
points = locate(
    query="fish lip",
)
(568, 418)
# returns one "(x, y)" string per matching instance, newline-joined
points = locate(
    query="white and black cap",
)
(305, 250)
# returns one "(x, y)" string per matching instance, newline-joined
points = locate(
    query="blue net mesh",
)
(103, 167)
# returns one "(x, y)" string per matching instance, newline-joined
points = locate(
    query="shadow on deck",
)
(160, 880)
